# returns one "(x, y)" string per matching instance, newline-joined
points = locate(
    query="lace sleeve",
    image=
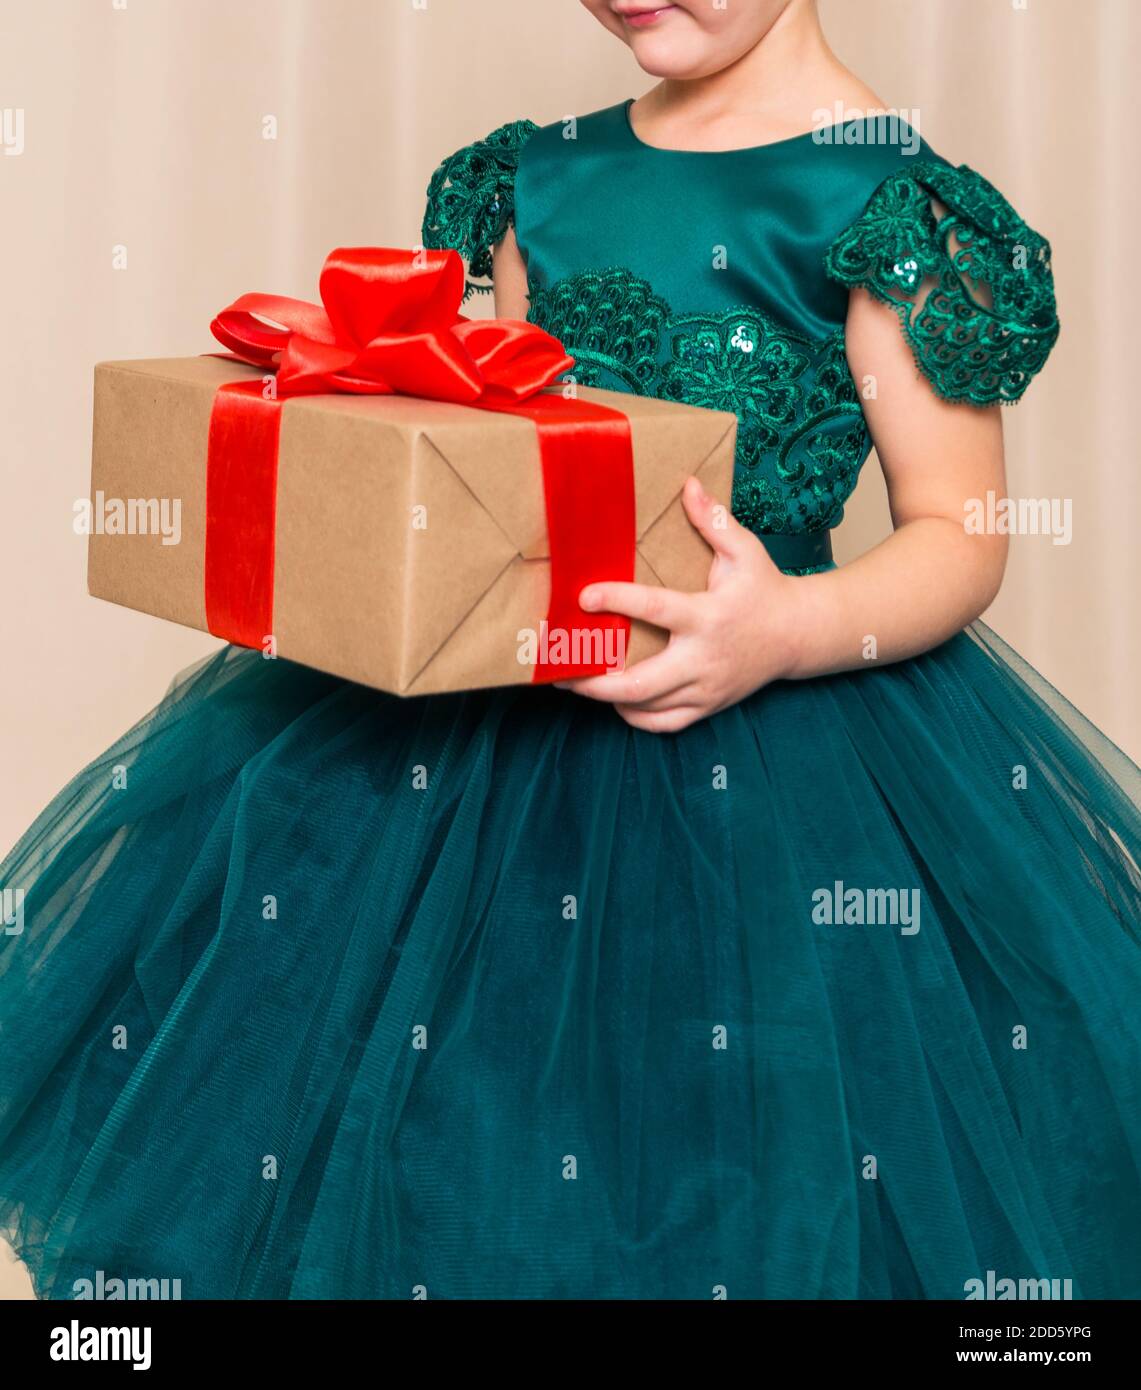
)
(471, 200)
(970, 281)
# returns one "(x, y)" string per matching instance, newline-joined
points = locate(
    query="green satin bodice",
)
(722, 280)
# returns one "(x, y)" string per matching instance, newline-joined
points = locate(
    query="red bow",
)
(391, 325)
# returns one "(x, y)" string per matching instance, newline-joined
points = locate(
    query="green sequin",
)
(471, 200)
(968, 349)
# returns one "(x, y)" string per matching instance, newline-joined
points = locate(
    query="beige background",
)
(144, 129)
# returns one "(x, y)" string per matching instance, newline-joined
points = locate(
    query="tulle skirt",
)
(317, 993)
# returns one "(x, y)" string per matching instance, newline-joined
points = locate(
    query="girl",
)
(814, 974)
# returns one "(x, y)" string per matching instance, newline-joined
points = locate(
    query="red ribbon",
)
(389, 323)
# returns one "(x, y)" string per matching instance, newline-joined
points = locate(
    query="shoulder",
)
(471, 197)
(601, 131)
(475, 192)
(502, 155)
(485, 164)
(969, 279)
(853, 157)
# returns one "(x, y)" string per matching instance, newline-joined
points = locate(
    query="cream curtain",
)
(144, 125)
(144, 129)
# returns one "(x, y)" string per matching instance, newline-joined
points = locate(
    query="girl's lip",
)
(640, 18)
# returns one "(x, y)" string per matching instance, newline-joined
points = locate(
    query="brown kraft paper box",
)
(411, 547)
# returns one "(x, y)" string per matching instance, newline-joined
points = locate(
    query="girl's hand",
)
(724, 643)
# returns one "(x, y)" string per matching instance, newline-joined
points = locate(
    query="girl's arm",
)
(929, 579)
(510, 279)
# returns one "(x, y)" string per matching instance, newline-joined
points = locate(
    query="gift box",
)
(396, 541)
(383, 489)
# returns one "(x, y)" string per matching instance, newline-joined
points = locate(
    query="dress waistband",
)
(806, 550)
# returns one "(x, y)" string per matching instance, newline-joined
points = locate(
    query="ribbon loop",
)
(389, 321)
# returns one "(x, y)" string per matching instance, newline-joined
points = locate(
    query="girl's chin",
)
(661, 58)
(674, 47)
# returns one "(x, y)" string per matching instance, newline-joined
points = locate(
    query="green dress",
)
(832, 995)
(722, 280)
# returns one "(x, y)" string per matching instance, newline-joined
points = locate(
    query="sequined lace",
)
(972, 285)
(471, 200)
(801, 438)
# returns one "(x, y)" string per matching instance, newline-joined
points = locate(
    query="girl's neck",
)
(773, 91)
